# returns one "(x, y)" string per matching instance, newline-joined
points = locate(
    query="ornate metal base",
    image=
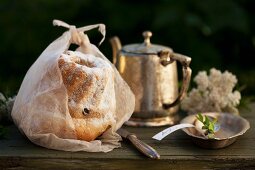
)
(153, 122)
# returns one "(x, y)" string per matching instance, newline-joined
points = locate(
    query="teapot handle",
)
(185, 61)
(116, 46)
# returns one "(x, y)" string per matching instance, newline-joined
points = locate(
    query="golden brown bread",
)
(85, 78)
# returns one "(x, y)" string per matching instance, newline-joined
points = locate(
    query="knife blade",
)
(140, 145)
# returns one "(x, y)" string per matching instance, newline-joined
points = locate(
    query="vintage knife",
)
(140, 145)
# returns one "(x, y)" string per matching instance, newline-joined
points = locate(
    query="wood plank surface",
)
(177, 152)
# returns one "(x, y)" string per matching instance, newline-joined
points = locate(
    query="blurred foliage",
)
(214, 33)
(3, 132)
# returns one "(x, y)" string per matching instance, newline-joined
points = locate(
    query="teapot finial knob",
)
(147, 35)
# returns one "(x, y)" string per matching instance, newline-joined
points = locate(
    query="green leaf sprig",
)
(208, 125)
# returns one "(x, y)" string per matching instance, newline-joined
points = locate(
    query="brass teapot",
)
(151, 72)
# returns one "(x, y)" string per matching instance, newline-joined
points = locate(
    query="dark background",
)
(214, 33)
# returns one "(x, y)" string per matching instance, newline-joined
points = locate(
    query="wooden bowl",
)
(231, 126)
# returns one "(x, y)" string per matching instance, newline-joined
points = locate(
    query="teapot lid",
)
(146, 47)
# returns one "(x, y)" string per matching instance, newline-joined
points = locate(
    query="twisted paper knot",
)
(78, 36)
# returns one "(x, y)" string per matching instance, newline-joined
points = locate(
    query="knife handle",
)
(143, 147)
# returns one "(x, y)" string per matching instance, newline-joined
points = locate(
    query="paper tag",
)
(164, 133)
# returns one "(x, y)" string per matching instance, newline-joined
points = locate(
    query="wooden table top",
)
(177, 152)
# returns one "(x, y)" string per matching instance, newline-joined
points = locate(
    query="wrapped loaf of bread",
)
(73, 100)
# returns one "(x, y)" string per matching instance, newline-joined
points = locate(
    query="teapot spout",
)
(116, 46)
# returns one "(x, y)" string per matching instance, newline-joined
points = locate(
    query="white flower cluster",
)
(213, 93)
(6, 105)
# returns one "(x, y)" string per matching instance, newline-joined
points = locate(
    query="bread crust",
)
(85, 79)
